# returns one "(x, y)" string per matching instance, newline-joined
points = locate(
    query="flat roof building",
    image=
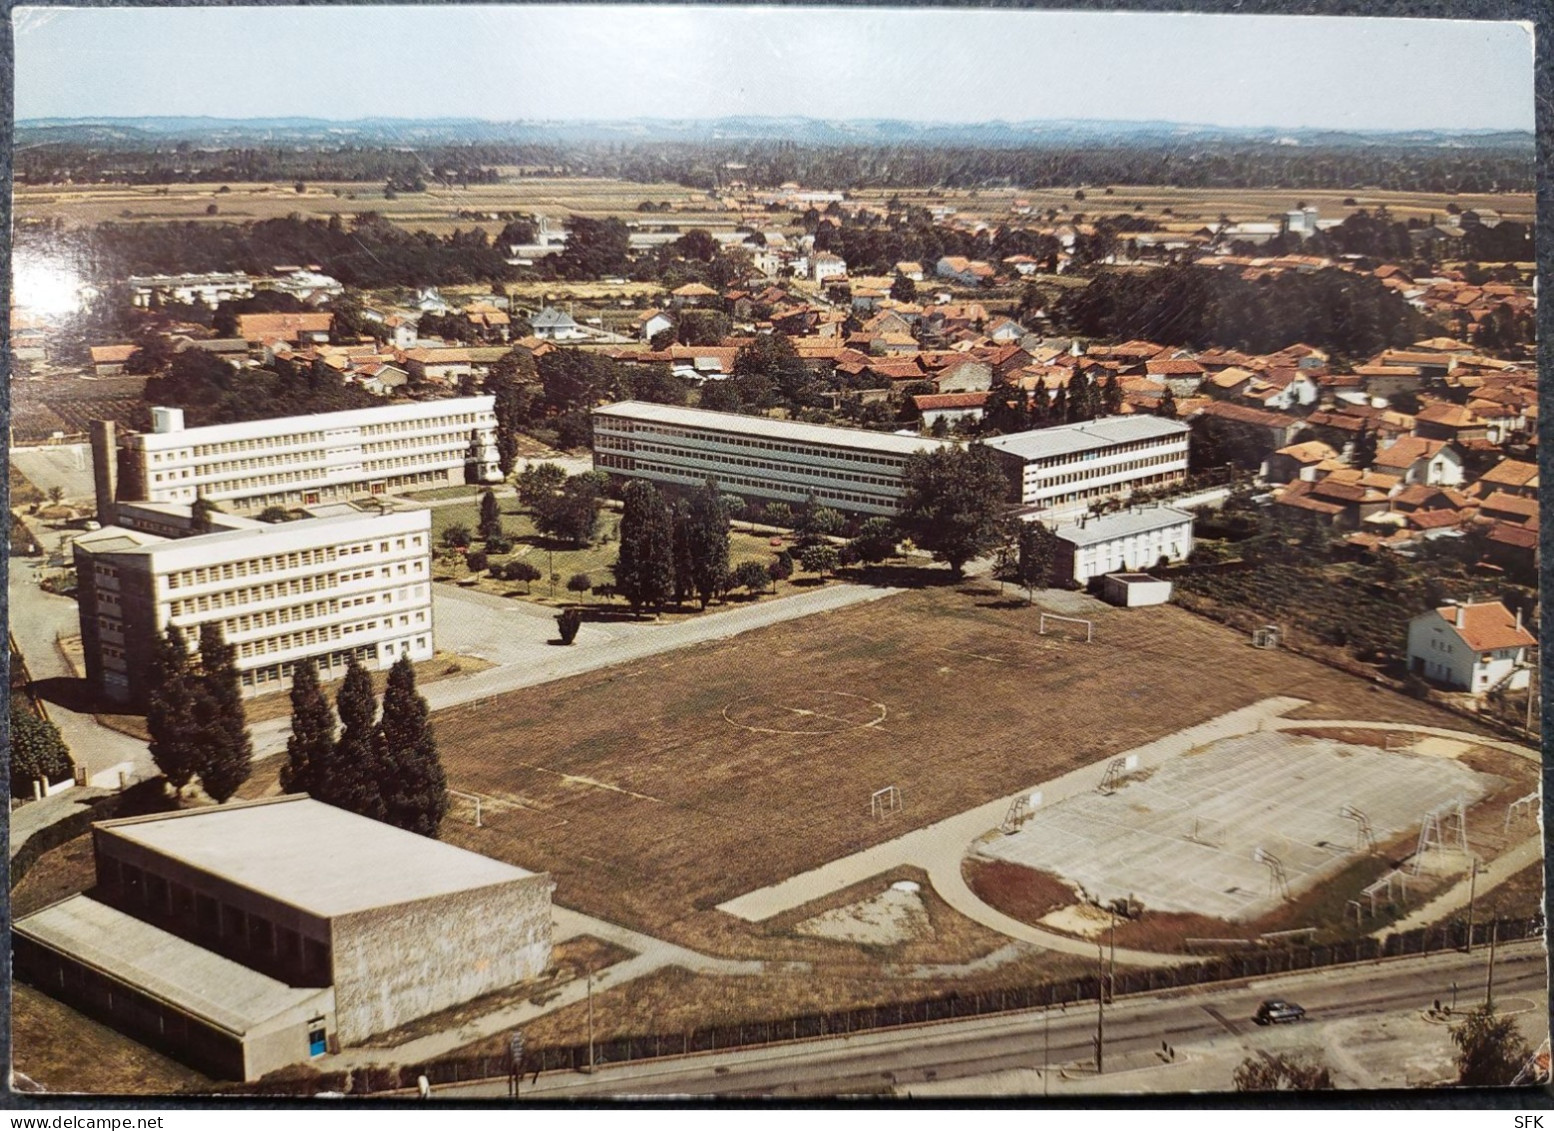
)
(754, 456)
(301, 460)
(1068, 467)
(320, 590)
(246, 937)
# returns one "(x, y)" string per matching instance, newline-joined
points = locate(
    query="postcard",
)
(563, 552)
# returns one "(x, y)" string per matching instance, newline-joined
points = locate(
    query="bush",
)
(499, 544)
(568, 621)
(781, 567)
(37, 751)
(521, 570)
(580, 583)
(476, 560)
(752, 576)
(456, 535)
(275, 514)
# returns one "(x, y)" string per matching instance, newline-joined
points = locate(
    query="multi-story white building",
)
(844, 468)
(304, 460)
(1069, 467)
(211, 289)
(321, 589)
(1128, 540)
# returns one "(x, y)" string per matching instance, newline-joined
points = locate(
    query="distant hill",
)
(883, 132)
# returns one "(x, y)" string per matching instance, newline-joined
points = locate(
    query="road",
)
(1366, 1022)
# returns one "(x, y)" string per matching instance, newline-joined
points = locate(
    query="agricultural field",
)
(435, 210)
(1193, 207)
(759, 753)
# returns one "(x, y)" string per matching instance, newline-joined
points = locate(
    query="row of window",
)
(331, 663)
(307, 638)
(716, 462)
(1111, 469)
(847, 499)
(1174, 443)
(448, 457)
(269, 618)
(1115, 488)
(811, 451)
(389, 427)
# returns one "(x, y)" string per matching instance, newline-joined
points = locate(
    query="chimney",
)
(1460, 618)
(1518, 618)
(105, 470)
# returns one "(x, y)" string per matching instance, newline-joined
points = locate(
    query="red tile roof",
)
(1486, 627)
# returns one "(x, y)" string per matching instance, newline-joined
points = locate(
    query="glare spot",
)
(46, 286)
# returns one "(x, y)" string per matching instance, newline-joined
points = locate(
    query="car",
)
(1276, 1012)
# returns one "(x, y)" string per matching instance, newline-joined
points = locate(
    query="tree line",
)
(1349, 316)
(1207, 163)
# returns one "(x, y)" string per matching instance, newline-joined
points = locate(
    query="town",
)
(466, 644)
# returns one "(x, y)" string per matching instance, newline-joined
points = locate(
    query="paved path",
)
(516, 635)
(1455, 898)
(939, 848)
(37, 620)
(651, 954)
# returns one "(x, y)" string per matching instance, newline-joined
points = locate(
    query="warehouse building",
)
(321, 590)
(247, 937)
(293, 461)
(756, 457)
(1065, 469)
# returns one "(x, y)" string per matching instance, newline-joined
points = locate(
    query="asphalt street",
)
(1203, 1027)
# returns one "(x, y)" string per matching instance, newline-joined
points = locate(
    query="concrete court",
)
(1276, 791)
(66, 466)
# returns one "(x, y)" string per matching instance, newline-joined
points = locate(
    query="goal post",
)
(1046, 618)
(883, 802)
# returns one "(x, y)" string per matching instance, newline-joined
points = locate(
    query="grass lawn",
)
(565, 560)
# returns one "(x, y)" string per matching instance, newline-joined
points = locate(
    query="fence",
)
(1256, 963)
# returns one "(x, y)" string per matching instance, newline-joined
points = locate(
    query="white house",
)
(1434, 463)
(1478, 648)
(556, 325)
(1129, 540)
(823, 265)
(653, 323)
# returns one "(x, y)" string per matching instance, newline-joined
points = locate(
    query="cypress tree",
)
(312, 738)
(226, 756)
(683, 567)
(1167, 405)
(490, 515)
(351, 779)
(707, 541)
(415, 790)
(170, 710)
(644, 572)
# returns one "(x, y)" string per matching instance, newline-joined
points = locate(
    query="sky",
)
(558, 62)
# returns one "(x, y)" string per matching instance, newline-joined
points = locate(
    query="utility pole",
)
(1111, 961)
(1046, 1046)
(590, 1021)
(1489, 983)
(1100, 1007)
(1472, 891)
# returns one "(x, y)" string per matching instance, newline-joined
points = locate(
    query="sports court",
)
(1186, 838)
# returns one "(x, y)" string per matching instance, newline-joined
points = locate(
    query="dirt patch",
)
(67, 1052)
(57, 874)
(1020, 893)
